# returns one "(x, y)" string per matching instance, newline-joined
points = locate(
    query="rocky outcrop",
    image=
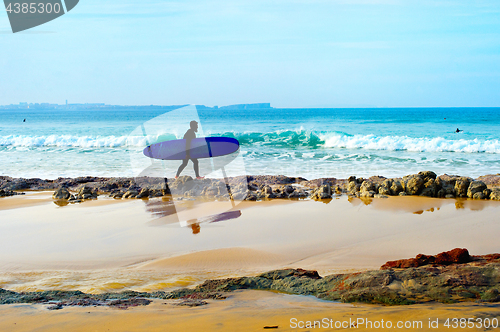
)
(452, 276)
(455, 256)
(424, 183)
(459, 277)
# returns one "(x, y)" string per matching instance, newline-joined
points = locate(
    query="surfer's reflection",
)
(165, 212)
(196, 228)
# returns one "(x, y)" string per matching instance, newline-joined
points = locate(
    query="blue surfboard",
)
(203, 147)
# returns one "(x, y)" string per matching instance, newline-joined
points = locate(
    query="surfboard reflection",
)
(195, 223)
(166, 212)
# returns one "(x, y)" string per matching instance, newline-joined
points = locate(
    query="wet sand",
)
(115, 245)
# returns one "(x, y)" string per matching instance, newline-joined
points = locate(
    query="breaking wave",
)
(299, 139)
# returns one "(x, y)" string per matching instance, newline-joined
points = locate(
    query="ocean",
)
(311, 143)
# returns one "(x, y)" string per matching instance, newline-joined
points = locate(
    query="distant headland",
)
(68, 106)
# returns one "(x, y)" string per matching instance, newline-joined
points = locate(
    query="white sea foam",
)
(405, 143)
(288, 140)
(76, 141)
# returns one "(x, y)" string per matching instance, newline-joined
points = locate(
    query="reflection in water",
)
(366, 200)
(161, 208)
(196, 228)
(166, 207)
(61, 202)
(428, 210)
(419, 205)
(195, 223)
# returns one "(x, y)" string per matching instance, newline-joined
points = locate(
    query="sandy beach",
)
(109, 245)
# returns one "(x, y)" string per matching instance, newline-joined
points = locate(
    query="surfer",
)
(189, 136)
(458, 130)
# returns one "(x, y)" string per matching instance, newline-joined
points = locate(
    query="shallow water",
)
(108, 245)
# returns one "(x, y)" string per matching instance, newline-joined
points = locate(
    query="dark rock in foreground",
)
(460, 278)
(455, 256)
(477, 280)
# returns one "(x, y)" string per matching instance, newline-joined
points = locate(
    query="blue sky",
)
(293, 53)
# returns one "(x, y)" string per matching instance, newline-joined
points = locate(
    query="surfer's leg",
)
(182, 166)
(196, 168)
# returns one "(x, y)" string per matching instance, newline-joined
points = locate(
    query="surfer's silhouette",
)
(189, 136)
(458, 130)
(24, 120)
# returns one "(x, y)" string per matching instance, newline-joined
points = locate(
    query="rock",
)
(427, 175)
(239, 195)
(492, 180)
(367, 194)
(412, 184)
(353, 187)
(86, 192)
(446, 185)
(144, 193)
(385, 187)
(462, 186)
(429, 188)
(478, 195)
(7, 193)
(455, 256)
(181, 185)
(396, 187)
(55, 307)
(251, 197)
(61, 193)
(491, 295)
(191, 303)
(288, 189)
(299, 193)
(323, 192)
(368, 186)
(268, 190)
(495, 194)
(476, 187)
(131, 194)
